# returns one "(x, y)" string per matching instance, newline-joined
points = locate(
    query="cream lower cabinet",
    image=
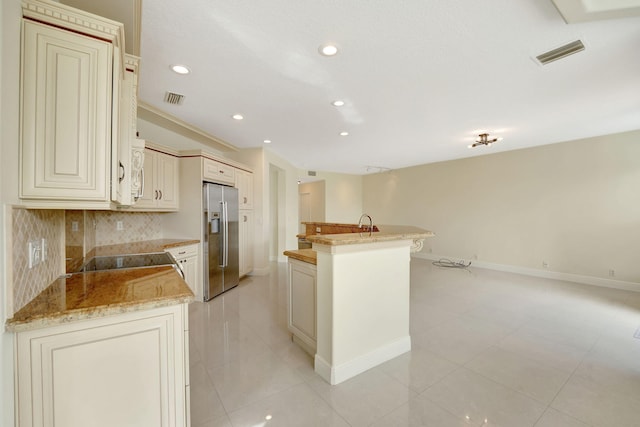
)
(245, 242)
(123, 370)
(187, 258)
(160, 182)
(301, 282)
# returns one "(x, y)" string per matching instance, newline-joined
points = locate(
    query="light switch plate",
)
(35, 252)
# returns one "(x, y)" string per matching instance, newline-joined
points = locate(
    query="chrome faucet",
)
(370, 222)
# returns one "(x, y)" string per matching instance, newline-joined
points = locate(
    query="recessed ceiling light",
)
(328, 49)
(267, 141)
(180, 69)
(237, 117)
(337, 103)
(344, 133)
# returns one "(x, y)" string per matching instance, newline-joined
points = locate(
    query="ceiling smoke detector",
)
(560, 52)
(173, 98)
(484, 140)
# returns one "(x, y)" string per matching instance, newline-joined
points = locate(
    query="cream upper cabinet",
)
(160, 182)
(217, 172)
(125, 175)
(71, 66)
(244, 184)
(66, 115)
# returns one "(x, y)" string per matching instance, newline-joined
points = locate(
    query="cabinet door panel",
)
(149, 195)
(66, 115)
(167, 172)
(104, 373)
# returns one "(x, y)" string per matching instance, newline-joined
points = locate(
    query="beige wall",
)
(312, 197)
(575, 205)
(343, 196)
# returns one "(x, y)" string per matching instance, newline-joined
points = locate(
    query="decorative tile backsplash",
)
(77, 231)
(28, 225)
(136, 226)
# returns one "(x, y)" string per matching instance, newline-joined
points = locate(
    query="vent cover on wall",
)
(173, 98)
(561, 52)
(311, 173)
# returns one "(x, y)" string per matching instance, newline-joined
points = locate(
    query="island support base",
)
(363, 307)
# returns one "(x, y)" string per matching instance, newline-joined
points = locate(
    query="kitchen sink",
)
(114, 262)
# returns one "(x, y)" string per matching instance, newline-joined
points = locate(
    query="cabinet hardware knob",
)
(156, 191)
(160, 191)
(120, 178)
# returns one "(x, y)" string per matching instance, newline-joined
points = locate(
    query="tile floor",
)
(489, 349)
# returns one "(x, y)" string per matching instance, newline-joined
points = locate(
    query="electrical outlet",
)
(35, 252)
(44, 249)
(119, 226)
(74, 225)
(612, 273)
(318, 229)
(475, 256)
(545, 264)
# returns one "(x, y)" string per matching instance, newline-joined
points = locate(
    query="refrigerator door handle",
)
(223, 230)
(225, 262)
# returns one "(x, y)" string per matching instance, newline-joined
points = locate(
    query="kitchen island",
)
(105, 348)
(362, 298)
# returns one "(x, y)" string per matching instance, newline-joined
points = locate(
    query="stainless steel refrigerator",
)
(220, 239)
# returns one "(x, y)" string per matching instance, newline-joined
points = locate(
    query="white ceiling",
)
(420, 78)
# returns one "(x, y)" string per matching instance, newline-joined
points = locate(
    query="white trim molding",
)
(548, 274)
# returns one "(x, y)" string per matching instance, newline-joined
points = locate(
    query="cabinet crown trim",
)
(75, 19)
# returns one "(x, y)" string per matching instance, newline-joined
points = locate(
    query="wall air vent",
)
(311, 173)
(561, 52)
(173, 98)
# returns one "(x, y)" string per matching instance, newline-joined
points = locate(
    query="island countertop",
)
(386, 233)
(101, 293)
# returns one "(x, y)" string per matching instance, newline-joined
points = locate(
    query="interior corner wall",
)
(312, 198)
(574, 206)
(343, 197)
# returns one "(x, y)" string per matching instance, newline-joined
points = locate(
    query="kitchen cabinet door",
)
(66, 115)
(244, 184)
(187, 258)
(245, 239)
(302, 303)
(166, 181)
(123, 370)
(160, 182)
(124, 171)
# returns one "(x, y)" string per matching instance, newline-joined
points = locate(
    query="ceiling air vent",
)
(561, 52)
(173, 98)
(311, 173)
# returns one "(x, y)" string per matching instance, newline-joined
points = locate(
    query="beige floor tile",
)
(294, 407)
(554, 418)
(519, 373)
(418, 369)
(471, 396)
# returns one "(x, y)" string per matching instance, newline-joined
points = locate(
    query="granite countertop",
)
(386, 233)
(96, 294)
(101, 293)
(305, 255)
(143, 247)
(75, 260)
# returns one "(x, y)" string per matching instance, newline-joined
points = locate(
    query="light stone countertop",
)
(386, 233)
(304, 255)
(104, 293)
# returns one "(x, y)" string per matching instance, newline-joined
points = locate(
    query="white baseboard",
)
(337, 374)
(548, 274)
